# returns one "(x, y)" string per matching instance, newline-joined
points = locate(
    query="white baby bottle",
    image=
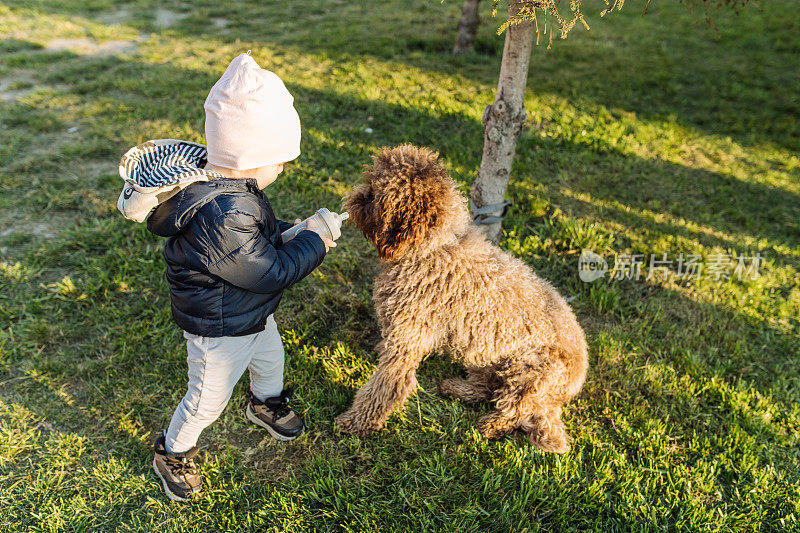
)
(327, 224)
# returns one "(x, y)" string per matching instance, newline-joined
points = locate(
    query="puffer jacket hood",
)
(157, 170)
(171, 216)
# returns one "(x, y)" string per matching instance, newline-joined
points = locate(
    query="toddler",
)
(227, 265)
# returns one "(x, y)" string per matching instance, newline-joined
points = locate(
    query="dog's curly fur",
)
(443, 287)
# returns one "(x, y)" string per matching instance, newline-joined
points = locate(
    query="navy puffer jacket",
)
(227, 266)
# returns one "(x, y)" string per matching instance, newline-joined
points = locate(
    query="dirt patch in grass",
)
(20, 229)
(90, 47)
(167, 18)
(120, 16)
(37, 229)
(17, 85)
(21, 83)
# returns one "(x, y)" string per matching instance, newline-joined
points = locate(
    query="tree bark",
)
(503, 121)
(467, 28)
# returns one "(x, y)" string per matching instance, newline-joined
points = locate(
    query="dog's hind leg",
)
(507, 416)
(479, 386)
(505, 419)
(540, 407)
(531, 412)
(530, 398)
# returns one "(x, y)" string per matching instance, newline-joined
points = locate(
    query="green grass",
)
(646, 135)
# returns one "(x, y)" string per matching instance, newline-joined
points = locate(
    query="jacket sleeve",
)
(244, 257)
(283, 225)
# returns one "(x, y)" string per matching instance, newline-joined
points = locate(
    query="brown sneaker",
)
(275, 415)
(177, 472)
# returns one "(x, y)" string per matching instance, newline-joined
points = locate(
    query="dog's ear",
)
(412, 193)
(359, 204)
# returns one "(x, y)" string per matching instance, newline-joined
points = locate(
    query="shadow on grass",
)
(134, 331)
(713, 201)
(624, 188)
(723, 208)
(738, 82)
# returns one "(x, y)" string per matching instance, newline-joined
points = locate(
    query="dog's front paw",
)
(350, 422)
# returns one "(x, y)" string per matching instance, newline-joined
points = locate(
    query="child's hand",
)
(328, 243)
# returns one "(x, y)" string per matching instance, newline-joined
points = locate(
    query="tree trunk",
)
(503, 121)
(467, 28)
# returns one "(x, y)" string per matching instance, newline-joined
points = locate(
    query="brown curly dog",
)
(444, 288)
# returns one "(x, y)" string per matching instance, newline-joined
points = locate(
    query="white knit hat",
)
(250, 119)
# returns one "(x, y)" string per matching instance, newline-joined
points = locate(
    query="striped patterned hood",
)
(157, 170)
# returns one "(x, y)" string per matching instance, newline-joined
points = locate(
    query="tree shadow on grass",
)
(673, 200)
(738, 82)
(714, 202)
(624, 187)
(335, 147)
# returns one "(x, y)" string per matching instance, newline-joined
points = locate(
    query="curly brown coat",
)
(443, 287)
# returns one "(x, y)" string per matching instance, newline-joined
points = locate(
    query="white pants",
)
(215, 366)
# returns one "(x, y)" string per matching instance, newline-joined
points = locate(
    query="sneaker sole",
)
(171, 495)
(251, 416)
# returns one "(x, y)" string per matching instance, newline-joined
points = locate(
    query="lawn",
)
(646, 135)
